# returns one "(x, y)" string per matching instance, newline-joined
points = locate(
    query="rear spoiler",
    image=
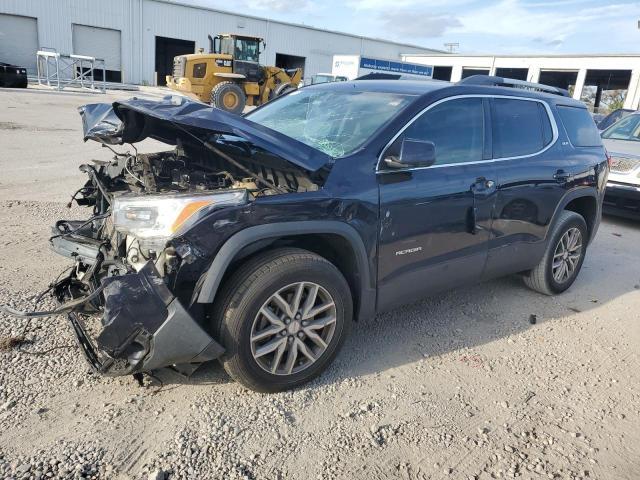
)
(491, 81)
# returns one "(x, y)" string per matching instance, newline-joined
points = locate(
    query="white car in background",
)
(327, 78)
(622, 141)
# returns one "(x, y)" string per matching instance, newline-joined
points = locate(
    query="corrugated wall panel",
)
(55, 20)
(188, 23)
(98, 42)
(140, 21)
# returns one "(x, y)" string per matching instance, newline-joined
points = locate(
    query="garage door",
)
(19, 41)
(99, 43)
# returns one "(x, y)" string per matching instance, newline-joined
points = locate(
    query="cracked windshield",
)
(336, 123)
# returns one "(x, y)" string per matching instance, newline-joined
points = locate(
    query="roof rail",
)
(492, 81)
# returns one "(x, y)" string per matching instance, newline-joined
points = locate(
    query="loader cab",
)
(246, 49)
(245, 54)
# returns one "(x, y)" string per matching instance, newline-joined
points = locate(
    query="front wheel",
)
(563, 257)
(282, 318)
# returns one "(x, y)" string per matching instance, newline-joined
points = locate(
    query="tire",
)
(281, 90)
(544, 278)
(228, 96)
(238, 319)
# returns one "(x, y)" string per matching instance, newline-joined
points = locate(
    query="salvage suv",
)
(258, 239)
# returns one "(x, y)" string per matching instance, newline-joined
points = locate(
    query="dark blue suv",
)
(258, 239)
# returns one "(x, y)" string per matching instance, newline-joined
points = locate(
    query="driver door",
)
(436, 220)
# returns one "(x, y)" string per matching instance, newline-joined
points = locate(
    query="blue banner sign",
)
(396, 67)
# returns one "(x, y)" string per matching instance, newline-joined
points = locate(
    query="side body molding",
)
(237, 242)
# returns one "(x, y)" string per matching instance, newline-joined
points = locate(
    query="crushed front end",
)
(136, 323)
(135, 271)
(143, 326)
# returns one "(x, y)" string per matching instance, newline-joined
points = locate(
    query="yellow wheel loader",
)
(230, 75)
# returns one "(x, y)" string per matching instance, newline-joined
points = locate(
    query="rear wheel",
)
(228, 96)
(282, 318)
(563, 258)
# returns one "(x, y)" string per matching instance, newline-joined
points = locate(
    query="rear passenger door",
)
(435, 221)
(532, 176)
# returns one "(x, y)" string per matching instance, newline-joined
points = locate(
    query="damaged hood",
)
(177, 118)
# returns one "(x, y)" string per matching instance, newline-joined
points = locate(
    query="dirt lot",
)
(458, 386)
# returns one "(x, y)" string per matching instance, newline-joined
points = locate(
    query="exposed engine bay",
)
(134, 187)
(192, 170)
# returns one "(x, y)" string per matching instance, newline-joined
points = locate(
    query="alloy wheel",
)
(567, 255)
(293, 328)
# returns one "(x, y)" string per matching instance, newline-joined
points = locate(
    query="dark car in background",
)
(622, 141)
(12, 76)
(259, 239)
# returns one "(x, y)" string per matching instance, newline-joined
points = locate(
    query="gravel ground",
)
(464, 385)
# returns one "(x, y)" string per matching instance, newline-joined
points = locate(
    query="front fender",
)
(229, 250)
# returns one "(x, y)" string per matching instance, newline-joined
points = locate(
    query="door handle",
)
(481, 185)
(480, 188)
(561, 176)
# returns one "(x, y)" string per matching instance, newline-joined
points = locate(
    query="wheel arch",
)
(583, 201)
(336, 241)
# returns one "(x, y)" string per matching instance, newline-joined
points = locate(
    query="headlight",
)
(154, 219)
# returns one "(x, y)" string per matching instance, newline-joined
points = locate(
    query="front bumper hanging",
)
(144, 327)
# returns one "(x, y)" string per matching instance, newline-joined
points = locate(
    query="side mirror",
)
(414, 153)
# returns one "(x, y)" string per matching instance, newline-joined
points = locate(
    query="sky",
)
(498, 27)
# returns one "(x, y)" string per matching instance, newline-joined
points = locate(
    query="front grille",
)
(623, 165)
(178, 66)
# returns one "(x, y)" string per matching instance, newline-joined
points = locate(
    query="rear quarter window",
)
(520, 127)
(580, 127)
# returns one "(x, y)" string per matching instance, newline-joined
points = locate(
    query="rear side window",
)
(520, 127)
(580, 127)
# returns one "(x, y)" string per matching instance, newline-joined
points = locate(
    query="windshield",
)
(612, 118)
(334, 122)
(247, 49)
(626, 129)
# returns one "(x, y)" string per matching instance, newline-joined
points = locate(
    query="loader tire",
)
(228, 96)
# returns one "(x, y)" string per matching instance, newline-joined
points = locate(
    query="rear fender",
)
(582, 192)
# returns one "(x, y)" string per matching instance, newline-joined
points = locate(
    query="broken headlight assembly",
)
(155, 219)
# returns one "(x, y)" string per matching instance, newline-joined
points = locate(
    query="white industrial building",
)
(588, 77)
(139, 38)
